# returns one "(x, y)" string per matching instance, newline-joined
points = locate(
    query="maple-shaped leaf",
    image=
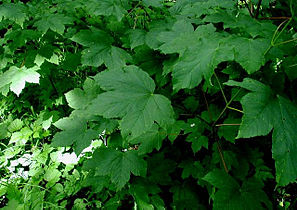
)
(106, 8)
(55, 22)
(150, 140)
(80, 99)
(230, 195)
(74, 131)
(178, 39)
(117, 165)
(136, 37)
(100, 50)
(153, 3)
(146, 195)
(15, 12)
(263, 111)
(16, 78)
(249, 53)
(200, 61)
(18, 38)
(130, 96)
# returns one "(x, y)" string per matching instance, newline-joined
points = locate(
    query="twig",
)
(275, 18)
(226, 124)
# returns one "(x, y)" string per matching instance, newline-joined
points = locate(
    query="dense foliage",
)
(148, 104)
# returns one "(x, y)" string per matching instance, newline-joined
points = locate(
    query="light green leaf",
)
(263, 111)
(16, 78)
(130, 95)
(117, 165)
(14, 12)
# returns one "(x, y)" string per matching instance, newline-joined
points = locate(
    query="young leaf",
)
(16, 78)
(14, 12)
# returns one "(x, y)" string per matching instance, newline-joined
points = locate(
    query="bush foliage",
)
(148, 104)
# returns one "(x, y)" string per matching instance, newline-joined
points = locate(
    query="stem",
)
(285, 42)
(275, 18)
(224, 96)
(222, 157)
(227, 124)
(227, 105)
(209, 113)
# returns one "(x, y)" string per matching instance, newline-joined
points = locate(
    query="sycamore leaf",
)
(150, 140)
(263, 112)
(100, 50)
(146, 195)
(80, 99)
(230, 195)
(74, 131)
(200, 61)
(130, 96)
(16, 78)
(153, 3)
(249, 53)
(117, 165)
(106, 8)
(14, 12)
(178, 39)
(137, 37)
(55, 22)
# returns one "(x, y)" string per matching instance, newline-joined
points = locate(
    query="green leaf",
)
(15, 125)
(200, 61)
(150, 140)
(197, 141)
(16, 78)
(178, 39)
(117, 165)
(249, 53)
(146, 195)
(14, 12)
(130, 96)
(231, 195)
(80, 99)
(263, 112)
(106, 8)
(137, 37)
(153, 3)
(55, 22)
(99, 49)
(74, 131)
